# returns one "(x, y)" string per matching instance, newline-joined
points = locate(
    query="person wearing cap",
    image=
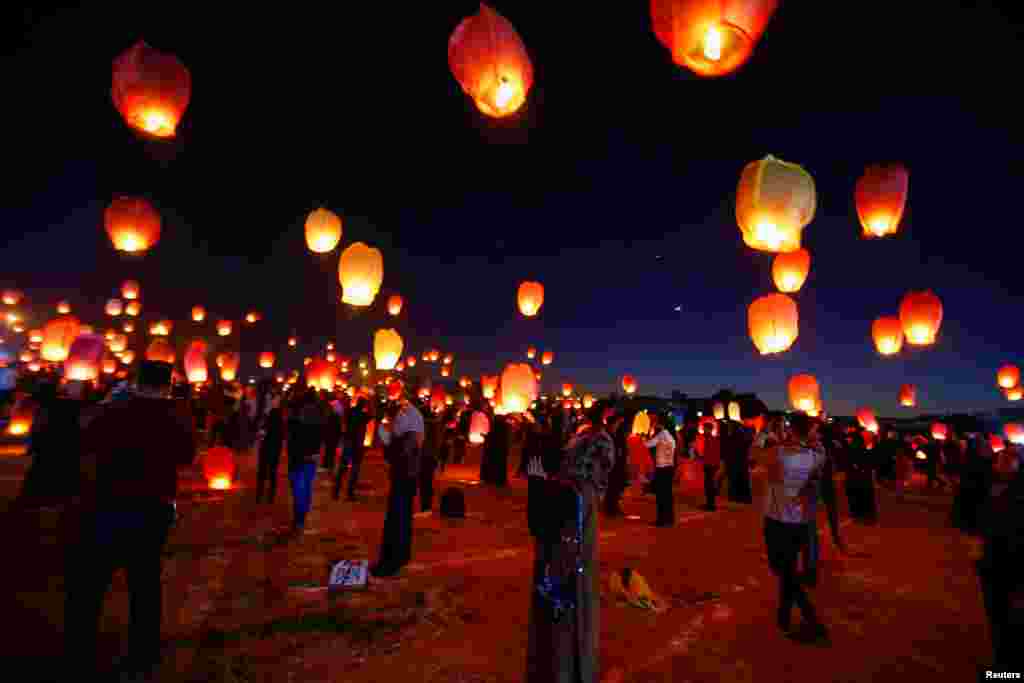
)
(131, 453)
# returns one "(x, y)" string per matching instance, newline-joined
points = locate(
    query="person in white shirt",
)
(664, 471)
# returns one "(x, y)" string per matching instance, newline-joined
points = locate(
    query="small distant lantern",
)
(464, 382)
(159, 350)
(35, 336)
(224, 328)
(132, 224)
(1014, 394)
(198, 314)
(292, 341)
(448, 359)
(921, 316)
(719, 410)
(887, 333)
(1014, 433)
(395, 304)
(128, 326)
(387, 348)
(629, 384)
(118, 343)
(252, 317)
(547, 358)
(867, 420)
(1008, 376)
(488, 386)
(531, 298)
(266, 359)
(161, 328)
(410, 361)
(114, 308)
(128, 357)
(446, 371)
(588, 401)
(908, 395)
(531, 353)
(133, 308)
(12, 297)
(940, 432)
(109, 366)
(228, 364)
(567, 390)
(63, 308)
(734, 411)
(130, 290)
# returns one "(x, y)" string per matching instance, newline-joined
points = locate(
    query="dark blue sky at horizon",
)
(619, 158)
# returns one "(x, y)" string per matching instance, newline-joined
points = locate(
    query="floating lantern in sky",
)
(228, 364)
(1014, 433)
(547, 358)
(198, 314)
(323, 231)
(150, 89)
(887, 333)
(132, 224)
(58, 334)
(114, 308)
(292, 341)
(84, 357)
(387, 348)
(641, 423)
(464, 382)
(35, 336)
(629, 384)
(567, 389)
(161, 328)
(219, 467)
(939, 431)
(128, 357)
(790, 269)
(734, 411)
(118, 343)
(330, 346)
(490, 62)
(130, 290)
(160, 350)
(1008, 376)
(252, 317)
(588, 401)
(109, 366)
(996, 443)
(321, 375)
(133, 308)
(718, 410)
(63, 308)
(410, 361)
(866, 418)
(518, 387)
(128, 326)
(530, 297)
(804, 393)
(12, 297)
(224, 328)
(1014, 393)
(446, 371)
(908, 395)
(774, 323)
(394, 304)
(881, 196)
(434, 355)
(360, 271)
(710, 37)
(195, 362)
(21, 418)
(266, 359)
(921, 316)
(448, 358)
(489, 386)
(531, 353)
(775, 200)
(479, 427)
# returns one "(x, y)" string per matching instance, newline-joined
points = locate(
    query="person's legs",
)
(346, 459)
(710, 486)
(145, 564)
(663, 495)
(404, 550)
(262, 472)
(89, 570)
(428, 466)
(387, 562)
(273, 461)
(357, 465)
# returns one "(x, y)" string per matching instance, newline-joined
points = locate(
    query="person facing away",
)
(305, 436)
(132, 452)
(270, 450)
(664, 470)
(618, 477)
(353, 439)
(332, 431)
(52, 478)
(712, 448)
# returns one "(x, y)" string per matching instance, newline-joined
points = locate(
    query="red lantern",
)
(531, 353)
(321, 375)
(908, 395)
(774, 323)
(629, 384)
(12, 297)
(996, 443)
(219, 467)
(266, 359)
(195, 362)
(224, 328)
(489, 386)
(479, 427)
(921, 316)
(84, 357)
(881, 196)
(159, 350)
(151, 90)
(547, 358)
(395, 304)
(1014, 433)
(866, 418)
(790, 269)
(567, 390)
(1008, 376)
(394, 390)
(133, 225)
(940, 432)
(887, 332)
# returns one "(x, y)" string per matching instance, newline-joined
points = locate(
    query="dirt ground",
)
(241, 604)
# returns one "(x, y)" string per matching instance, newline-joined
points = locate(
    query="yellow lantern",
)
(448, 359)
(588, 401)
(1008, 376)
(518, 388)
(252, 317)
(224, 328)
(641, 423)
(567, 390)
(387, 348)
(323, 231)
(1014, 393)
(446, 371)
(719, 410)
(331, 357)
(133, 308)
(128, 357)
(774, 323)
(867, 420)
(629, 384)
(775, 200)
(58, 334)
(887, 332)
(734, 411)
(118, 343)
(530, 298)
(198, 314)
(395, 304)
(790, 269)
(531, 353)
(132, 224)
(114, 308)
(360, 271)
(130, 290)
(161, 328)
(35, 336)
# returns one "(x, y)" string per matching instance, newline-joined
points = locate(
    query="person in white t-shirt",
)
(664, 471)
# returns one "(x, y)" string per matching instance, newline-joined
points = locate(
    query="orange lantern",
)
(996, 443)
(198, 314)
(132, 224)
(881, 196)
(518, 388)
(133, 308)
(887, 332)
(464, 382)
(150, 89)
(292, 341)
(448, 359)
(371, 429)
(437, 399)
(219, 467)
(733, 410)
(804, 393)
(567, 390)
(360, 271)
(774, 323)
(629, 384)
(114, 308)
(84, 357)
(531, 353)
(130, 290)
(939, 431)
(159, 350)
(641, 424)
(323, 231)
(537, 375)
(1014, 394)
(400, 366)
(488, 386)
(866, 418)
(531, 297)
(63, 308)
(21, 419)
(710, 37)
(387, 348)
(479, 427)
(921, 315)
(394, 304)
(790, 269)
(490, 62)
(252, 317)
(224, 328)
(1008, 376)
(394, 390)
(330, 346)
(446, 371)
(266, 359)
(58, 334)
(195, 362)
(128, 357)
(128, 326)
(35, 336)
(331, 356)
(547, 358)
(109, 366)
(434, 355)
(228, 364)
(160, 328)
(411, 361)
(118, 343)
(1014, 433)
(321, 375)
(908, 395)
(588, 401)
(11, 297)
(718, 409)
(775, 200)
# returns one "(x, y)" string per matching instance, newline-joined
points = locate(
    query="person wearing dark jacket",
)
(435, 429)
(975, 489)
(1002, 583)
(494, 464)
(736, 444)
(52, 478)
(332, 433)
(403, 443)
(354, 438)
(270, 451)
(305, 436)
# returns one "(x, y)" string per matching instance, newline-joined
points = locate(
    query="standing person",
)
(403, 443)
(712, 463)
(860, 481)
(664, 471)
(791, 474)
(354, 440)
(434, 430)
(972, 497)
(305, 436)
(494, 465)
(52, 478)
(332, 431)
(618, 477)
(270, 450)
(131, 453)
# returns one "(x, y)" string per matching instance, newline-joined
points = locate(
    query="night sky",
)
(619, 158)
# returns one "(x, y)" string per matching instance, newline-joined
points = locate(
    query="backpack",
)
(453, 503)
(561, 547)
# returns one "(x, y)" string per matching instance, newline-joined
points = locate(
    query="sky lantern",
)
(908, 395)
(518, 387)
(479, 427)
(804, 393)
(1014, 433)
(530, 298)
(35, 336)
(775, 200)
(132, 224)
(434, 355)
(160, 350)
(195, 362)
(488, 385)
(939, 431)
(321, 375)
(710, 37)
(219, 467)
(360, 271)
(547, 358)
(426, 357)
(588, 401)
(224, 328)
(394, 304)
(128, 326)
(133, 308)
(733, 410)
(150, 89)
(331, 356)
(996, 443)
(128, 357)
(12, 297)
(253, 317)
(410, 361)
(437, 398)
(198, 314)
(881, 197)
(641, 423)
(887, 332)
(1014, 393)
(21, 418)
(464, 381)
(446, 371)
(266, 359)
(1008, 376)
(790, 269)
(448, 359)
(63, 308)
(531, 353)
(718, 410)
(387, 348)
(490, 62)
(774, 323)
(109, 366)
(921, 316)
(292, 341)
(161, 328)
(118, 343)
(58, 335)
(228, 364)
(130, 290)
(84, 357)
(566, 389)
(629, 384)
(114, 308)
(323, 231)
(866, 418)
(394, 390)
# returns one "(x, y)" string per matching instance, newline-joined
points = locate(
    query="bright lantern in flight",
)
(224, 328)
(130, 290)
(394, 304)
(360, 271)
(266, 359)
(198, 314)
(1014, 433)
(84, 358)
(908, 396)
(114, 308)
(58, 335)
(530, 297)
(195, 362)
(387, 348)
(132, 224)
(790, 269)
(629, 384)
(150, 89)
(518, 388)
(531, 353)
(866, 418)
(887, 332)
(921, 316)
(775, 200)
(1008, 376)
(774, 323)
(881, 197)
(804, 393)
(323, 231)
(547, 358)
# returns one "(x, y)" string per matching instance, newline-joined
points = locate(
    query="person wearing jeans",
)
(305, 436)
(301, 478)
(664, 471)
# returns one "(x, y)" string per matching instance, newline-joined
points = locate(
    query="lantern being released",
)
(921, 316)
(490, 62)
(488, 386)
(887, 332)
(228, 363)
(908, 395)
(547, 358)
(394, 304)
(641, 423)
(866, 418)
(804, 393)
(629, 384)
(531, 353)
(360, 271)
(567, 390)
(321, 375)
(1008, 376)
(58, 334)
(114, 308)
(198, 314)
(161, 328)
(718, 410)
(323, 231)
(84, 357)
(710, 37)
(132, 224)
(224, 328)
(881, 196)
(1014, 393)
(530, 298)
(775, 200)
(150, 89)
(790, 269)
(774, 323)
(219, 467)
(479, 427)
(518, 388)
(195, 362)
(387, 348)
(252, 317)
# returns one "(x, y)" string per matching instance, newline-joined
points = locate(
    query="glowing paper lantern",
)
(84, 357)
(641, 423)
(128, 326)
(448, 359)
(394, 390)
(330, 346)
(394, 304)
(118, 343)
(775, 200)
(411, 361)
(228, 364)
(881, 196)
(629, 384)
(434, 355)
(58, 334)
(939, 431)
(150, 89)
(35, 336)
(588, 401)
(161, 328)
(887, 332)
(130, 290)
(1008, 376)
(531, 353)
(133, 308)
(1014, 433)
(266, 359)
(718, 409)
(252, 317)
(12, 297)
(360, 271)
(1014, 394)
(479, 427)
(387, 348)
(710, 37)
(321, 375)
(774, 323)
(371, 429)
(128, 357)
(224, 328)
(488, 386)
(566, 389)
(530, 298)
(114, 308)
(734, 411)
(195, 362)
(132, 224)
(518, 387)
(490, 62)
(292, 341)
(790, 269)
(908, 395)
(464, 382)
(198, 314)
(159, 350)
(21, 419)
(921, 315)
(109, 366)
(996, 443)
(866, 418)
(63, 308)
(446, 371)
(323, 231)
(331, 357)
(219, 467)
(437, 399)
(804, 393)
(547, 358)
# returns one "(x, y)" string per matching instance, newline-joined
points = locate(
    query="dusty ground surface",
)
(243, 605)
